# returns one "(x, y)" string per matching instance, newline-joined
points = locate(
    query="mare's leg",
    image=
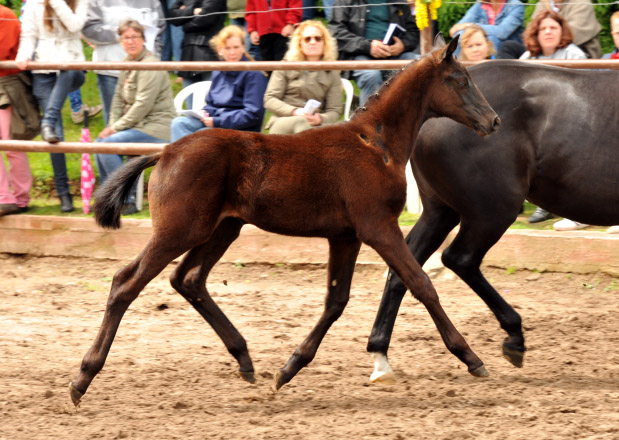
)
(427, 235)
(464, 257)
(189, 279)
(127, 284)
(342, 258)
(390, 245)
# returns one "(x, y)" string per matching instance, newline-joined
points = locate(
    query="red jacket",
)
(271, 22)
(9, 38)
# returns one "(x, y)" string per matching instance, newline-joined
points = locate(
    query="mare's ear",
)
(439, 42)
(447, 53)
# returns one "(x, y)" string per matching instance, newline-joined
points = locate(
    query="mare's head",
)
(454, 95)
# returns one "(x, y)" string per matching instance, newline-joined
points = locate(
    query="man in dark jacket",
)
(200, 24)
(359, 27)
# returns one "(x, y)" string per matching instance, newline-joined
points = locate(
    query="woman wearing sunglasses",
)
(289, 91)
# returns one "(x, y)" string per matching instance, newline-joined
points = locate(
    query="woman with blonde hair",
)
(475, 45)
(289, 91)
(235, 98)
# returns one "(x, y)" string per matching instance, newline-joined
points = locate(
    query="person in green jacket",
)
(142, 107)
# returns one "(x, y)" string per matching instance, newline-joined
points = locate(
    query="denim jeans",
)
(51, 91)
(75, 99)
(369, 81)
(107, 86)
(108, 163)
(309, 13)
(172, 39)
(327, 6)
(184, 125)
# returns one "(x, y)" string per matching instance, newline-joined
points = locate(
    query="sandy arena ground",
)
(168, 376)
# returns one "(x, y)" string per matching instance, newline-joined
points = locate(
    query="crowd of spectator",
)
(138, 105)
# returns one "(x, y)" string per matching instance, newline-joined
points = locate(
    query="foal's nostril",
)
(496, 123)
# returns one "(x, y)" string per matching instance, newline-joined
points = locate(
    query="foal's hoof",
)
(76, 395)
(247, 376)
(514, 356)
(479, 371)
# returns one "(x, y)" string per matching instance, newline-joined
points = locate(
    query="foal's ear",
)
(447, 53)
(439, 42)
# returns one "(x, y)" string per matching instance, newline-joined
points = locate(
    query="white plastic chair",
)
(198, 92)
(349, 91)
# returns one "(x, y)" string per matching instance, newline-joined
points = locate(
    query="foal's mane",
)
(375, 98)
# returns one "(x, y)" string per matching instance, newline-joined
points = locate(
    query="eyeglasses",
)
(131, 38)
(309, 39)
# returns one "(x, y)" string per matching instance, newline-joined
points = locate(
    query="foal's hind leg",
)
(189, 279)
(127, 284)
(390, 245)
(424, 239)
(342, 258)
(464, 257)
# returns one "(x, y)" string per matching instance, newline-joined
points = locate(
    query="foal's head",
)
(454, 95)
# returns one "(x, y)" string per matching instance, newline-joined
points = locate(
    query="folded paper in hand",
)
(394, 30)
(311, 106)
(192, 113)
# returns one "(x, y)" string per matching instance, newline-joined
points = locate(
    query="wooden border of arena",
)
(270, 65)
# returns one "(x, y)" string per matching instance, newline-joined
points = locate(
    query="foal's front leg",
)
(189, 279)
(390, 245)
(342, 258)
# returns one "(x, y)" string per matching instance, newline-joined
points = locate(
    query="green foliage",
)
(453, 10)
(603, 12)
(15, 5)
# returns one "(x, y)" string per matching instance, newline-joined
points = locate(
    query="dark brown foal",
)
(343, 182)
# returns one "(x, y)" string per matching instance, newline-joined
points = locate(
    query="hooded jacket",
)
(104, 17)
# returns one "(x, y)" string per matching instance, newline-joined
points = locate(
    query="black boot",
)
(66, 203)
(49, 135)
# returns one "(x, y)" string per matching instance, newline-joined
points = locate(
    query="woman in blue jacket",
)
(235, 99)
(502, 20)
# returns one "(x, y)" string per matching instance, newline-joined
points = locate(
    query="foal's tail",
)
(113, 194)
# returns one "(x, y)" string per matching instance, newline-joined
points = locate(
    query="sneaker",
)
(568, 225)
(78, 117)
(539, 215)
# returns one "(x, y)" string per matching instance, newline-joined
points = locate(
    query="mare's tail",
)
(113, 194)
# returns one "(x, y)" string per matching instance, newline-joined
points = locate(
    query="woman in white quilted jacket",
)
(51, 33)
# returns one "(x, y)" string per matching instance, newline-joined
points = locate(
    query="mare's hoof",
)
(479, 371)
(383, 378)
(278, 381)
(515, 357)
(76, 395)
(247, 376)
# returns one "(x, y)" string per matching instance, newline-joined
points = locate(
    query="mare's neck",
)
(400, 109)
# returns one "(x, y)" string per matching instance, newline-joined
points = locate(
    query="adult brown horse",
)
(345, 183)
(558, 147)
